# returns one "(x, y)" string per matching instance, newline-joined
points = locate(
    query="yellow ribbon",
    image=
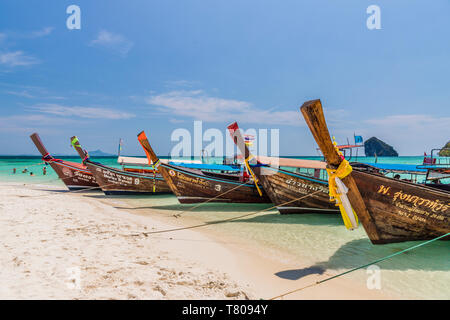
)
(341, 172)
(154, 178)
(250, 157)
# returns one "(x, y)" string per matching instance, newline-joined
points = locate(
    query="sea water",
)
(320, 239)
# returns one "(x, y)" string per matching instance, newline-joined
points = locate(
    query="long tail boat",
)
(291, 192)
(127, 181)
(391, 210)
(75, 176)
(195, 185)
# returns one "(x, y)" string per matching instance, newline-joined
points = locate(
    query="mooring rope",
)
(225, 220)
(362, 266)
(177, 215)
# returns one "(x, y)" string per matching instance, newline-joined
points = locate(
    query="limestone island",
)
(375, 147)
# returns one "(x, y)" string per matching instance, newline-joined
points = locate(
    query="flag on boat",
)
(120, 146)
(248, 139)
(358, 139)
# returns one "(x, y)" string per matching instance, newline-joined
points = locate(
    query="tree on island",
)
(445, 152)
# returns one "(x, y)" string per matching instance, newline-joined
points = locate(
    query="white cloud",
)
(82, 112)
(411, 120)
(16, 58)
(42, 33)
(114, 42)
(198, 105)
(27, 123)
(23, 93)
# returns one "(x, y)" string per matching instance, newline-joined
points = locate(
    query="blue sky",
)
(159, 65)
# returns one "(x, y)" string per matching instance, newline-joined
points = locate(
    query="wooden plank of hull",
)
(73, 177)
(192, 186)
(385, 217)
(283, 187)
(116, 181)
(403, 211)
(445, 187)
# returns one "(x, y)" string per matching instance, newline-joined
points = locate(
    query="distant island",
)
(375, 147)
(445, 153)
(99, 153)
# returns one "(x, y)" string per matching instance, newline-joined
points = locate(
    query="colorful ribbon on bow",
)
(252, 174)
(338, 194)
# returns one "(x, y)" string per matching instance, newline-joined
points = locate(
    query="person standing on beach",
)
(44, 171)
(14, 170)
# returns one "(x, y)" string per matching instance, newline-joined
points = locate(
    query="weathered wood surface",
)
(295, 193)
(402, 210)
(115, 181)
(441, 186)
(74, 175)
(290, 192)
(193, 186)
(385, 215)
(289, 162)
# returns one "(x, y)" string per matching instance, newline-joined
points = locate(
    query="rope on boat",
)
(177, 215)
(225, 220)
(360, 267)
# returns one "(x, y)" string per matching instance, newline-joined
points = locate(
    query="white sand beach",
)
(61, 245)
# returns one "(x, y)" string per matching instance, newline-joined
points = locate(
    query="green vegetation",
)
(446, 152)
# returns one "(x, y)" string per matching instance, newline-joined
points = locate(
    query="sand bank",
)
(60, 245)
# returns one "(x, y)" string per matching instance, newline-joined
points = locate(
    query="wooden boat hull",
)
(402, 211)
(74, 175)
(115, 181)
(284, 189)
(193, 186)
(391, 210)
(445, 187)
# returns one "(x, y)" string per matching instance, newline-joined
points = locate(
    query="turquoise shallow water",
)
(322, 240)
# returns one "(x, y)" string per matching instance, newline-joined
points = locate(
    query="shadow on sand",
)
(296, 274)
(431, 257)
(312, 219)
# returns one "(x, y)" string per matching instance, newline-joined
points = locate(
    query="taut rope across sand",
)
(177, 215)
(223, 221)
(360, 267)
